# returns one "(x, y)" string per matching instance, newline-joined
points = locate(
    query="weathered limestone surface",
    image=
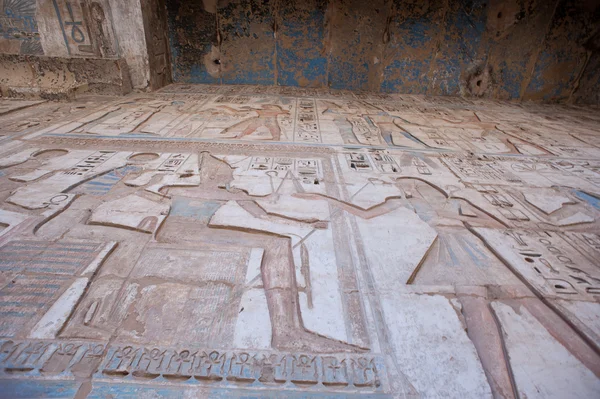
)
(62, 78)
(245, 241)
(60, 46)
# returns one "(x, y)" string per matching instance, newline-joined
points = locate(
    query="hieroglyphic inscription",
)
(479, 172)
(384, 162)
(553, 266)
(307, 127)
(233, 99)
(49, 359)
(359, 162)
(307, 171)
(378, 161)
(86, 28)
(503, 202)
(173, 163)
(90, 163)
(76, 33)
(337, 371)
(421, 166)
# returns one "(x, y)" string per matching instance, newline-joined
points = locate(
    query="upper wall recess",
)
(507, 49)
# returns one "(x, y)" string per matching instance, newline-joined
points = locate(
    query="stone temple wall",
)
(47, 36)
(507, 49)
(502, 49)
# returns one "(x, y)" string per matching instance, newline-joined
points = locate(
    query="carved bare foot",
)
(302, 340)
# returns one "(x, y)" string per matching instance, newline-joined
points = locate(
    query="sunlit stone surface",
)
(230, 242)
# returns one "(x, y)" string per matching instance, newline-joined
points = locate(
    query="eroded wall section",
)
(508, 49)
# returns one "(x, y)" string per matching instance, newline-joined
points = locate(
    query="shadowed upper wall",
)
(507, 49)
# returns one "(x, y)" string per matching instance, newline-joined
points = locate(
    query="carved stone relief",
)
(269, 241)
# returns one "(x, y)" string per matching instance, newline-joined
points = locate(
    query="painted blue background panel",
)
(531, 51)
(356, 44)
(192, 34)
(414, 37)
(464, 28)
(248, 42)
(301, 53)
